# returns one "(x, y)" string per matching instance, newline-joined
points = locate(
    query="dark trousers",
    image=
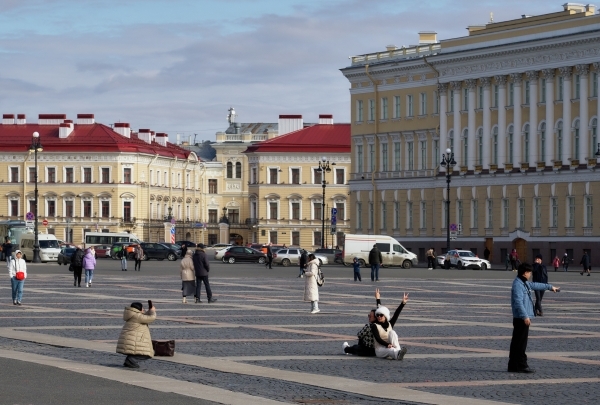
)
(431, 262)
(138, 264)
(77, 274)
(269, 261)
(517, 359)
(134, 358)
(199, 281)
(357, 276)
(538, 300)
(375, 272)
(359, 350)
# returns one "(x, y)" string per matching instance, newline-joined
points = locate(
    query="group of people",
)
(194, 270)
(83, 260)
(138, 255)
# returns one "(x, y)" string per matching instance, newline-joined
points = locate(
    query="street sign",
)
(334, 211)
(333, 230)
(45, 222)
(453, 227)
(29, 216)
(453, 234)
(29, 224)
(452, 237)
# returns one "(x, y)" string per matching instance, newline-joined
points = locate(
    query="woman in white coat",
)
(17, 270)
(311, 289)
(386, 340)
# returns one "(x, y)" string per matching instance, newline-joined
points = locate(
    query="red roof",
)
(317, 138)
(84, 138)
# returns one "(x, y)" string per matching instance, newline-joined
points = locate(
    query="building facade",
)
(516, 102)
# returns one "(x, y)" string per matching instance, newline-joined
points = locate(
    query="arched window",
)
(229, 170)
(559, 141)
(511, 144)
(542, 151)
(238, 170)
(526, 144)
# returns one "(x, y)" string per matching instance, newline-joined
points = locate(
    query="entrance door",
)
(489, 245)
(521, 246)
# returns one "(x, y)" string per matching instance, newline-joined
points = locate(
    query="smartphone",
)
(149, 304)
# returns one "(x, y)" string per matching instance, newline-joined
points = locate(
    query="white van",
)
(392, 252)
(49, 248)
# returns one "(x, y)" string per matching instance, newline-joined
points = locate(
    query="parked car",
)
(221, 252)
(220, 245)
(64, 257)
(244, 254)
(462, 259)
(263, 247)
(177, 248)
(102, 250)
(117, 246)
(285, 257)
(187, 243)
(330, 254)
(66, 245)
(392, 252)
(158, 251)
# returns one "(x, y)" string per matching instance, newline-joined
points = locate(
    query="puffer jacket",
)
(89, 261)
(187, 267)
(135, 336)
(311, 289)
(15, 266)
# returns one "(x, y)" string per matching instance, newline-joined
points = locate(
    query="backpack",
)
(320, 278)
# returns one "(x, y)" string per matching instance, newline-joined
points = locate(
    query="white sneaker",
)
(314, 311)
(87, 284)
(430, 268)
(344, 346)
(184, 300)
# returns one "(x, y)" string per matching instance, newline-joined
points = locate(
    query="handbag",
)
(320, 278)
(71, 268)
(163, 347)
(19, 275)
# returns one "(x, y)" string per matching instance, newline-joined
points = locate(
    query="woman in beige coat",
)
(188, 276)
(135, 340)
(311, 289)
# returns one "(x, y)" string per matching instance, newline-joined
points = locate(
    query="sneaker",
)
(15, 302)
(19, 303)
(344, 347)
(429, 268)
(87, 284)
(210, 300)
(184, 300)
(401, 353)
(314, 311)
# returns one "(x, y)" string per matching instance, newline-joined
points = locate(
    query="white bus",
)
(108, 238)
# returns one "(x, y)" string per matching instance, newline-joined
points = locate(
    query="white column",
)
(584, 115)
(550, 127)
(534, 153)
(566, 73)
(597, 67)
(443, 94)
(471, 143)
(457, 87)
(487, 122)
(517, 79)
(502, 158)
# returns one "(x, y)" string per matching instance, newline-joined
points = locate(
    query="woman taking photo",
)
(311, 289)
(17, 270)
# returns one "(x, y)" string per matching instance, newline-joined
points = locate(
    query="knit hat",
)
(383, 311)
(538, 256)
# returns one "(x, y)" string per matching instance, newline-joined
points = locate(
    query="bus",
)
(108, 238)
(13, 229)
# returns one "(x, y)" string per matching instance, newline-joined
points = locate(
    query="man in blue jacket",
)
(522, 309)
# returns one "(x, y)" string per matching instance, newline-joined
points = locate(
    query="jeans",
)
(517, 359)
(17, 289)
(357, 276)
(124, 263)
(89, 273)
(566, 266)
(375, 272)
(199, 281)
(138, 264)
(301, 271)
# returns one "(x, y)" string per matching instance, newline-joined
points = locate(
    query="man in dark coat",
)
(585, 262)
(201, 268)
(77, 263)
(303, 262)
(540, 275)
(269, 257)
(375, 259)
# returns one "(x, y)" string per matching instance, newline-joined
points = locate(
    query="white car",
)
(220, 253)
(288, 256)
(463, 259)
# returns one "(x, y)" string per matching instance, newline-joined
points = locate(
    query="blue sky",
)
(176, 66)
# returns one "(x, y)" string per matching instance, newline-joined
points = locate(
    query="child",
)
(356, 265)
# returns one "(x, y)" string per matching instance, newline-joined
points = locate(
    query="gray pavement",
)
(258, 344)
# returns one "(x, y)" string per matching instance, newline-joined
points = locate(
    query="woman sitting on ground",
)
(386, 340)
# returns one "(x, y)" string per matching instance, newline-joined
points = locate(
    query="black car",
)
(244, 254)
(64, 257)
(187, 243)
(158, 251)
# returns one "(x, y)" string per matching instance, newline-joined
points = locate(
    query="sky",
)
(176, 66)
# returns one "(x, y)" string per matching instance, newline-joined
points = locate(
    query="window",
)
(423, 99)
(229, 170)
(51, 174)
(409, 105)
(474, 214)
(459, 214)
(480, 146)
(213, 216)
(465, 147)
(526, 144)
(371, 215)
(273, 208)
(480, 91)
(559, 90)
(69, 209)
(436, 150)
(465, 99)
(32, 206)
(341, 212)
(51, 208)
(358, 215)
(317, 238)
(359, 158)
(576, 141)
(371, 157)
(511, 145)
(594, 137)
(14, 174)
(409, 215)
(371, 110)
(212, 186)
(594, 84)
(527, 92)
(233, 216)
(295, 176)
(537, 212)
(273, 175)
(423, 216)
(105, 175)
(410, 152)
(396, 215)
(571, 212)
(254, 174)
(31, 175)
(69, 178)
(543, 91)
(543, 142)
(340, 176)
(396, 106)
(451, 100)
(87, 209)
(317, 210)
(14, 208)
(559, 141)
(384, 108)
(436, 102)
(87, 174)
(127, 211)
(423, 158)
(127, 175)
(105, 209)
(397, 156)
(577, 88)
(238, 170)
(521, 223)
(295, 210)
(359, 110)
(505, 211)
(496, 90)
(495, 145)
(384, 157)
(589, 211)
(554, 212)
(317, 176)
(489, 223)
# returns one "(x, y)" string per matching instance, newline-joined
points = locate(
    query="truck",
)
(392, 252)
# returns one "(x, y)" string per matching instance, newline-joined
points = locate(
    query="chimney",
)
(85, 119)
(326, 119)
(65, 129)
(21, 120)
(162, 138)
(290, 123)
(153, 136)
(122, 128)
(8, 119)
(51, 119)
(145, 135)
(427, 37)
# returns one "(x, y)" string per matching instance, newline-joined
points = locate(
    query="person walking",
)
(77, 263)
(585, 262)
(139, 256)
(375, 259)
(89, 264)
(7, 249)
(135, 341)
(184, 249)
(356, 265)
(486, 254)
(522, 310)
(201, 269)
(540, 275)
(188, 276)
(311, 289)
(303, 261)
(565, 262)
(514, 259)
(431, 259)
(555, 263)
(506, 262)
(122, 255)
(269, 256)
(17, 271)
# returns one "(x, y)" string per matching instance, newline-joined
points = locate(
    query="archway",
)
(236, 239)
(521, 246)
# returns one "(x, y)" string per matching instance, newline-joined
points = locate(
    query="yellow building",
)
(516, 103)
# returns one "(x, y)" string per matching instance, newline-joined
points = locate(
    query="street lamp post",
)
(36, 147)
(324, 167)
(448, 162)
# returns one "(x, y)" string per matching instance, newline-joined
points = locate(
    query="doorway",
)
(521, 246)
(489, 245)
